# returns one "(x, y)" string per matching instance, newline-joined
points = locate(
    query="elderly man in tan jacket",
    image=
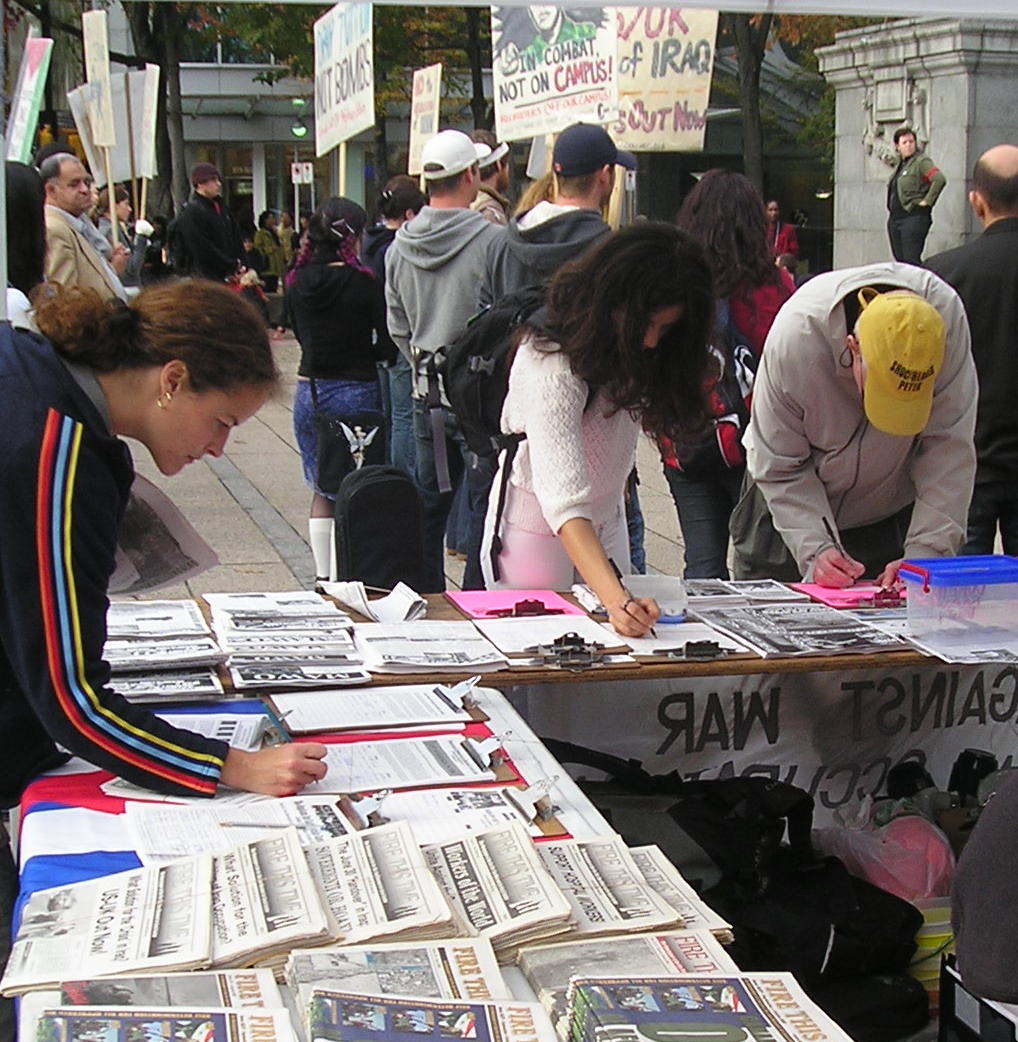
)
(72, 256)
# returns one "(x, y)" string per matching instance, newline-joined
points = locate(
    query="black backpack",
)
(380, 528)
(475, 370)
(789, 908)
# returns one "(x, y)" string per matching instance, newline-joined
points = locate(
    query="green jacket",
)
(919, 181)
(267, 243)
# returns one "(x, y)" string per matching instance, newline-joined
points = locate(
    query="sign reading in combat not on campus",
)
(344, 75)
(552, 66)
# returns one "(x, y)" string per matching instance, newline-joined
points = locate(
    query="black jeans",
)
(436, 504)
(994, 504)
(704, 506)
(908, 235)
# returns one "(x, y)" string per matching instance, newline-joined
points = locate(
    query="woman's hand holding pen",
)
(632, 616)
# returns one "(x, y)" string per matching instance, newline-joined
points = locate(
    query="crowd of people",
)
(830, 429)
(779, 461)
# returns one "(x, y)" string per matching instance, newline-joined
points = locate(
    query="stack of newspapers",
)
(463, 968)
(240, 1006)
(295, 639)
(248, 906)
(499, 889)
(159, 649)
(728, 1005)
(343, 1015)
(549, 968)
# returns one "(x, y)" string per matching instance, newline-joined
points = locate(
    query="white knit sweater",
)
(575, 460)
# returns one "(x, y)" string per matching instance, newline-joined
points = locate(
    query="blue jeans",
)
(436, 504)
(634, 522)
(480, 474)
(993, 504)
(402, 450)
(704, 507)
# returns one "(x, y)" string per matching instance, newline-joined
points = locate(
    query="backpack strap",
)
(511, 443)
(436, 418)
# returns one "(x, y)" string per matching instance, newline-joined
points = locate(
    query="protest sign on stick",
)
(424, 112)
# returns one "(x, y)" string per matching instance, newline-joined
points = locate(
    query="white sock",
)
(322, 546)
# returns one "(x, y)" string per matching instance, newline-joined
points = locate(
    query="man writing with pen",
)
(860, 448)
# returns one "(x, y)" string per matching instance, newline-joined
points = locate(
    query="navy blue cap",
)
(586, 147)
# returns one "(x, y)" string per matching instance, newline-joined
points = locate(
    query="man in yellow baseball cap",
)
(899, 341)
(860, 447)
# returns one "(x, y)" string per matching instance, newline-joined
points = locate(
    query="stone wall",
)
(954, 82)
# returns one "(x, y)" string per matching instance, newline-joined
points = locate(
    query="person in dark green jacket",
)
(912, 190)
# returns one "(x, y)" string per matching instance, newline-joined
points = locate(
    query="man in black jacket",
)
(985, 274)
(207, 244)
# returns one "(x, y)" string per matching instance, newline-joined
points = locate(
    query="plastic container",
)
(944, 592)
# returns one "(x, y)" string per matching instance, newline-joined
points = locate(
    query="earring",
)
(164, 399)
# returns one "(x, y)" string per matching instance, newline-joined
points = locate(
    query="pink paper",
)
(482, 604)
(849, 597)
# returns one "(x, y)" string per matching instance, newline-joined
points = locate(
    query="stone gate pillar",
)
(954, 81)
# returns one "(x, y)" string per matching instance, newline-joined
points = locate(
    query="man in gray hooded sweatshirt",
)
(433, 274)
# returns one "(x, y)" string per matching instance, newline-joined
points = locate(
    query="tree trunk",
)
(750, 44)
(478, 104)
(170, 21)
(381, 154)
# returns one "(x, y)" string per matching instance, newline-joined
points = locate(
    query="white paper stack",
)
(294, 639)
(428, 646)
(372, 709)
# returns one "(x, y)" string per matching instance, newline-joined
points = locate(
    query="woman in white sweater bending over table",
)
(622, 341)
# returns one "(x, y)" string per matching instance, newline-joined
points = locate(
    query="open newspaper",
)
(443, 814)
(196, 1024)
(376, 886)
(549, 967)
(177, 618)
(341, 1016)
(252, 989)
(264, 903)
(426, 646)
(759, 1005)
(605, 889)
(499, 888)
(800, 629)
(156, 545)
(162, 832)
(144, 920)
(456, 969)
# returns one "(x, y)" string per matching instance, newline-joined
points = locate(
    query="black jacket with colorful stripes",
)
(64, 483)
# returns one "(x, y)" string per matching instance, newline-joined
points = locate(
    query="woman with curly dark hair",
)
(176, 370)
(725, 213)
(622, 342)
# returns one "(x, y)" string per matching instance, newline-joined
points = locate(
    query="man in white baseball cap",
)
(433, 275)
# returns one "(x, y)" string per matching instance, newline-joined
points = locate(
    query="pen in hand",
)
(618, 575)
(832, 535)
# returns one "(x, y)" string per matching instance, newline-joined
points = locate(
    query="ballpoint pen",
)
(618, 575)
